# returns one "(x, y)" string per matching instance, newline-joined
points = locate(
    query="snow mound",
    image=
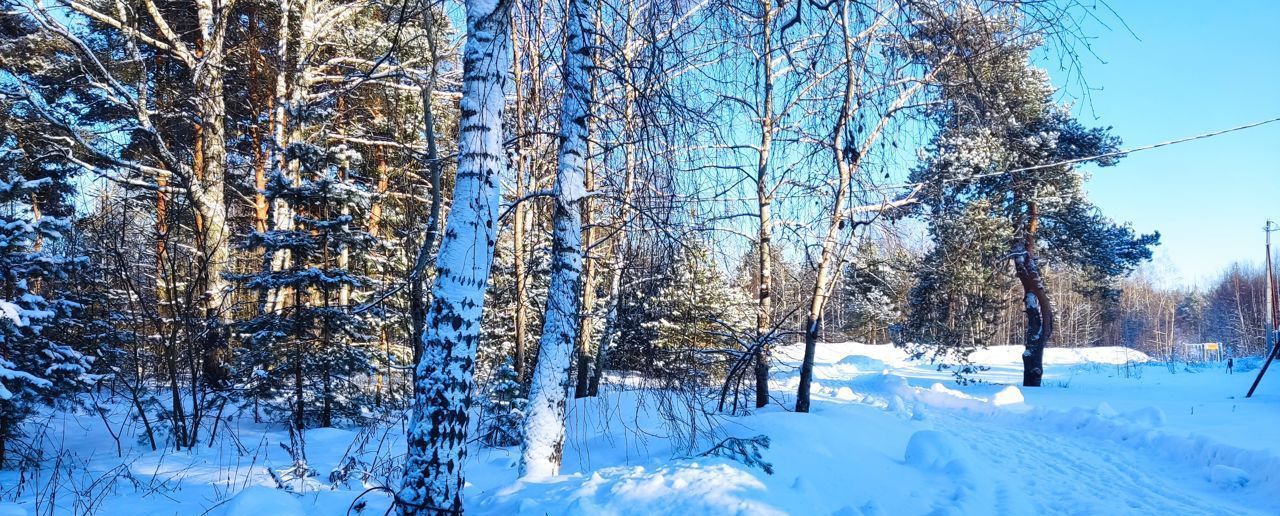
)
(11, 509)
(1228, 477)
(682, 488)
(1149, 416)
(258, 500)
(1008, 396)
(932, 450)
(863, 363)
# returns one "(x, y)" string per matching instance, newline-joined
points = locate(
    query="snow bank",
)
(1227, 465)
(1107, 355)
(1008, 396)
(687, 487)
(932, 450)
(862, 363)
(260, 500)
(1228, 477)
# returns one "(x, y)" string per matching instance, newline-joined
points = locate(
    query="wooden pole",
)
(1270, 326)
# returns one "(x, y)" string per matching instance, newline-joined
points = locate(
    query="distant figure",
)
(1230, 363)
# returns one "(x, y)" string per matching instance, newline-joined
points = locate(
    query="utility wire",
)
(1122, 152)
(1130, 151)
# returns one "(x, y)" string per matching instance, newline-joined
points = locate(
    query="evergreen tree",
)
(1006, 152)
(38, 364)
(502, 408)
(960, 290)
(692, 313)
(308, 351)
(872, 294)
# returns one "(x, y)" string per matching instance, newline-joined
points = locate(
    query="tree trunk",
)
(417, 294)
(580, 386)
(544, 423)
(520, 260)
(279, 215)
(619, 247)
(438, 425)
(520, 218)
(822, 283)
(1039, 313)
(207, 195)
(764, 198)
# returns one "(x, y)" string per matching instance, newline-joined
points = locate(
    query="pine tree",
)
(502, 408)
(1007, 153)
(870, 298)
(695, 311)
(38, 365)
(959, 292)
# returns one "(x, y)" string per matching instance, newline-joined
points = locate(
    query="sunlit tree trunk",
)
(438, 425)
(544, 422)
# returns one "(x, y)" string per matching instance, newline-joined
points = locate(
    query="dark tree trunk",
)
(806, 366)
(762, 377)
(1039, 315)
(417, 291)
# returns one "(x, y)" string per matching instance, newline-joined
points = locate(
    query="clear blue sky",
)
(1193, 67)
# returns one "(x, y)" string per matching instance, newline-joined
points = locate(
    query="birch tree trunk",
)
(208, 191)
(764, 200)
(438, 424)
(822, 277)
(544, 422)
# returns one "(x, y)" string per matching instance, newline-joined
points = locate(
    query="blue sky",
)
(1193, 67)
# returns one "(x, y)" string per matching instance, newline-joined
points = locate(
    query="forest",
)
(461, 216)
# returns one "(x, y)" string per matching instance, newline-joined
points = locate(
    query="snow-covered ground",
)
(1109, 433)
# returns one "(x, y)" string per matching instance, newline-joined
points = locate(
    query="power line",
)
(1136, 149)
(1122, 152)
(1099, 156)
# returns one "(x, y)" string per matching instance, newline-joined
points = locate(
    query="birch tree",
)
(878, 87)
(439, 422)
(544, 422)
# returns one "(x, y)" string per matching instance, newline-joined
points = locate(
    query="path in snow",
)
(1049, 472)
(1024, 460)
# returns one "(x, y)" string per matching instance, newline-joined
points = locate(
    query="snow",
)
(932, 450)
(11, 312)
(1111, 432)
(1228, 477)
(257, 500)
(1008, 396)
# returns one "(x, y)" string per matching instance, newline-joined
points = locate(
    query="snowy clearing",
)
(1110, 433)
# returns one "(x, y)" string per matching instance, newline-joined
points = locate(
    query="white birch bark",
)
(437, 434)
(544, 420)
(207, 191)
